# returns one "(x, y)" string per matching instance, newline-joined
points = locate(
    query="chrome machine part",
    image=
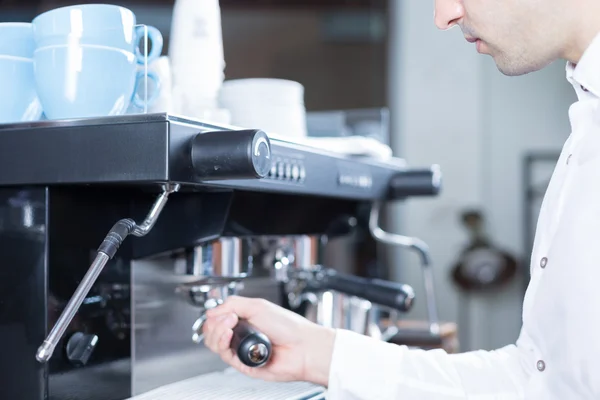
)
(221, 257)
(350, 302)
(422, 249)
(422, 182)
(106, 251)
(205, 294)
(336, 299)
(411, 183)
(305, 251)
(338, 310)
(231, 261)
(291, 261)
(281, 257)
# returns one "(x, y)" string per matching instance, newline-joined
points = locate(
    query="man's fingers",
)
(225, 341)
(219, 310)
(243, 307)
(215, 328)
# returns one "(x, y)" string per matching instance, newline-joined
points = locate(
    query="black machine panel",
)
(155, 148)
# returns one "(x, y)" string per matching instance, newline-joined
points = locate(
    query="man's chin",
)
(509, 68)
(512, 72)
(515, 69)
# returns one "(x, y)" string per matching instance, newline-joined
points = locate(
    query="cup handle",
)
(137, 100)
(156, 39)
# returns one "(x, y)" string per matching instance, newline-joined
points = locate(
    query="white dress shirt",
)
(557, 354)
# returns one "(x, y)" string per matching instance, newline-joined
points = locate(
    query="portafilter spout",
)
(106, 251)
(425, 182)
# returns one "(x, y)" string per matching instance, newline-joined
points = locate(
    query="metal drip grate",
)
(232, 385)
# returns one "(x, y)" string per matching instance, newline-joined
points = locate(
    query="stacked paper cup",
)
(273, 105)
(197, 60)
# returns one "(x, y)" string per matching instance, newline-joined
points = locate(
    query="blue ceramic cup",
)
(99, 25)
(88, 81)
(18, 98)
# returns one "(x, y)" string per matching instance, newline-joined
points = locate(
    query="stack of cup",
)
(273, 105)
(87, 60)
(18, 98)
(161, 69)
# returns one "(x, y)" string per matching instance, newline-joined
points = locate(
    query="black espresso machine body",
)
(64, 184)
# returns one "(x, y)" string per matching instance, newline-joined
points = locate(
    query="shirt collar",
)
(585, 76)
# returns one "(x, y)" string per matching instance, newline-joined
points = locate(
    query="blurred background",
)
(436, 100)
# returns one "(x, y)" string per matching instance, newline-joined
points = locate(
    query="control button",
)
(541, 365)
(543, 262)
(280, 170)
(302, 173)
(273, 171)
(288, 171)
(295, 172)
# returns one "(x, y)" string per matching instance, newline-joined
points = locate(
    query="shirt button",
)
(543, 262)
(541, 365)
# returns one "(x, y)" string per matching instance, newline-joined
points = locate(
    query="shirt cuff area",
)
(363, 367)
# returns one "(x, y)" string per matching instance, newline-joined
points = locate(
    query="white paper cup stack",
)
(274, 105)
(197, 59)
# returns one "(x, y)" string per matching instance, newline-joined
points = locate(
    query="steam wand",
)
(423, 250)
(106, 251)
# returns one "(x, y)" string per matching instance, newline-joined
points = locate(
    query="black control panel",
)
(152, 149)
(287, 169)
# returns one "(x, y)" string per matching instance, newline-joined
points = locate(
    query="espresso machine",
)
(118, 233)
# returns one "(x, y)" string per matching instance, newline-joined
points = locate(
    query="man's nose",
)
(448, 13)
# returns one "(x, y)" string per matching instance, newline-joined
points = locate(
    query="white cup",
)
(273, 105)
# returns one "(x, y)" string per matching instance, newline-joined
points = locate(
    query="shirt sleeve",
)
(364, 368)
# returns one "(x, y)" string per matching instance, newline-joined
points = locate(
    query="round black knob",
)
(223, 155)
(252, 347)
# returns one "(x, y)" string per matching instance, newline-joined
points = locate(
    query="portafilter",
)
(211, 263)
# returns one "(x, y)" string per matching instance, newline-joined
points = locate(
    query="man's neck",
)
(586, 26)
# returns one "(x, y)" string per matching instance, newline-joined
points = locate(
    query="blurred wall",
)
(338, 72)
(450, 105)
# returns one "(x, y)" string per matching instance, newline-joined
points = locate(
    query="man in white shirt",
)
(557, 354)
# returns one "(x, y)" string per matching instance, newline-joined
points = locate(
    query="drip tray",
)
(232, 385)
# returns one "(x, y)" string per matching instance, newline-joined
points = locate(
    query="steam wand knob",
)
(222, 155)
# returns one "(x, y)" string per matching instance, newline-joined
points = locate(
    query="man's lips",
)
(477, 41)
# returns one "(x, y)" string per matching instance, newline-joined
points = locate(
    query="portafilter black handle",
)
(252, 347)
(221, 155)
(415, 182)
(397, 296)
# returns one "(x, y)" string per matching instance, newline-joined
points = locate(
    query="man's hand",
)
(301, 349)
